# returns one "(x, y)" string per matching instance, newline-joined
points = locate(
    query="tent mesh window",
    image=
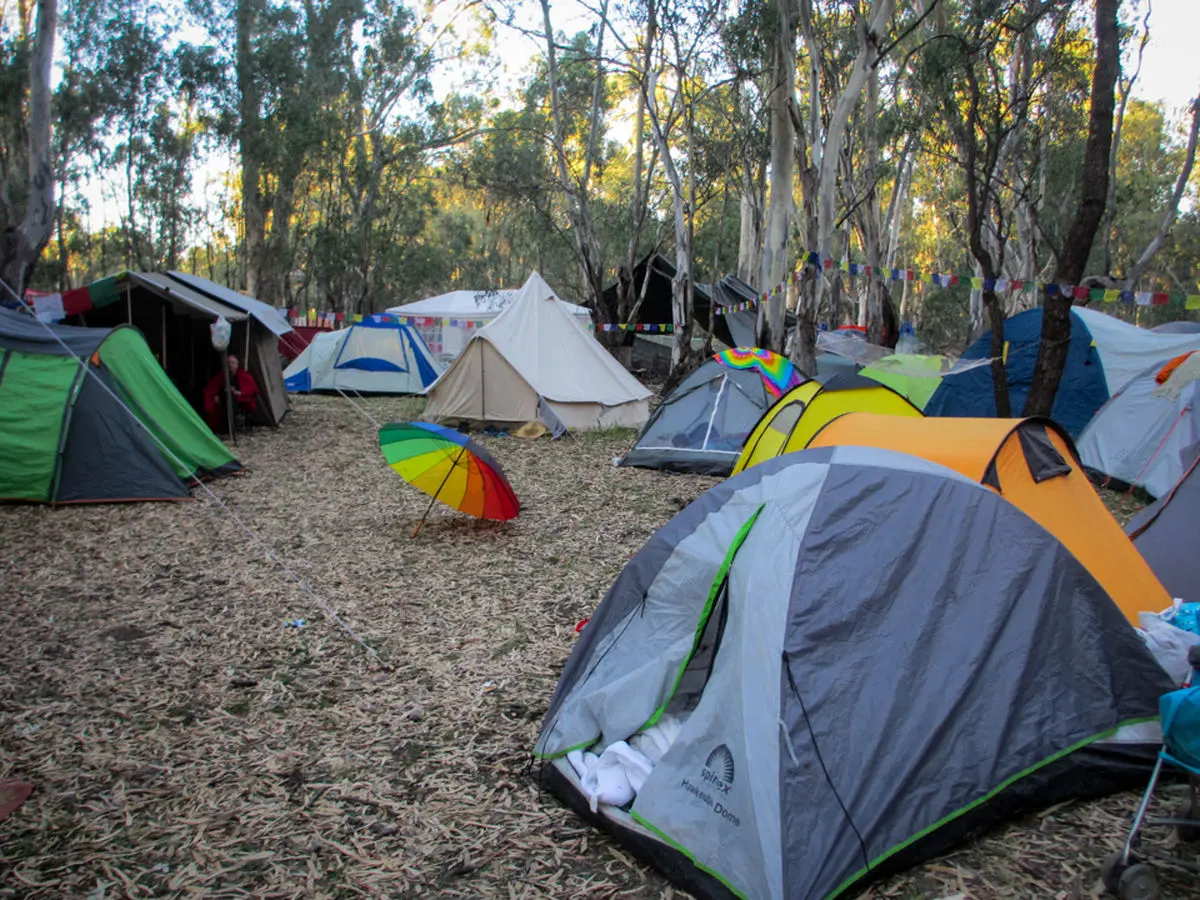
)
(699, 667)
(714, 416)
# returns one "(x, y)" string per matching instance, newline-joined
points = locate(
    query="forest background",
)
(351, 155)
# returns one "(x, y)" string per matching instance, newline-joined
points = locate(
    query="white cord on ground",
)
(267, 549)
(361, 411)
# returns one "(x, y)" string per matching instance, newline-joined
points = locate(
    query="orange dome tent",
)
(1032, 463)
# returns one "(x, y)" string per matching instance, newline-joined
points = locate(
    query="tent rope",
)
(266, 548)
(862, 844)
(366, 415)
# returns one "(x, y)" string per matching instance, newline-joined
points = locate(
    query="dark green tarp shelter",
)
(64, 435)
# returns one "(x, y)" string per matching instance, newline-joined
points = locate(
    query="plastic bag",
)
(221, 332)
(1183, 615)
(1169, 645)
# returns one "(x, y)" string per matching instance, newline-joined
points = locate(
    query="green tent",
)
(911, 374)
(64, 435)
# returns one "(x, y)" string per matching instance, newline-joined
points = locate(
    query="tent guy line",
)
(266, 548)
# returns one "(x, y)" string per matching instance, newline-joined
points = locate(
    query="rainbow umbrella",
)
(450, 467)
(778, 373)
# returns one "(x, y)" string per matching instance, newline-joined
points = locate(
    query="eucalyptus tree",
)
(26, 164)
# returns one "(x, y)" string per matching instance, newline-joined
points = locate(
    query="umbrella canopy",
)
(777, 372)
(450, 467)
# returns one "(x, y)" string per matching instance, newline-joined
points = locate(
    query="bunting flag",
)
(636, 326)
(814, 261)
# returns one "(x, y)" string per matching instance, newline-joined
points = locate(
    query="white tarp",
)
(536, 350)
(1143, 434)
(1126, 350)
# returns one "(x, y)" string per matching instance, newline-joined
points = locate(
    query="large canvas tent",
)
(702, 424)
(1165, 533)
(174, 311)
(1141, 435)
(534, 353)
(379, 355)
(804, 410)
(1103, 355)
(447, 321)
(65, 436)
(807, 641)
(1032, 464)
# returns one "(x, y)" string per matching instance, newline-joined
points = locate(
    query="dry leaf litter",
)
(186, 739)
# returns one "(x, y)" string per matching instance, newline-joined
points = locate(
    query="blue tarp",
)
(1081, 392)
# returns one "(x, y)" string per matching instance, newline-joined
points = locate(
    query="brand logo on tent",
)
(718, 769)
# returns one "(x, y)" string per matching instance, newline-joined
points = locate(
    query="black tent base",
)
(1089, 773)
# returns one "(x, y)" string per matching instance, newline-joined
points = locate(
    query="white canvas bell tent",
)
(378, 355)
(535, 352)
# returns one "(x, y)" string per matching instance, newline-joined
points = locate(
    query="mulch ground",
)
(184, 741)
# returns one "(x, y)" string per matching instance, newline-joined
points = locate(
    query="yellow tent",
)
(802, 411)
(1032, 463)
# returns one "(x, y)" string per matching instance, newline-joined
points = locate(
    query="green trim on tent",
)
(1002, 786)
(675, 845)
(713, 592)
(34, 394)
(153, 397)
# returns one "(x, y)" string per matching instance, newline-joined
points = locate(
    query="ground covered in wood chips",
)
(184, 741)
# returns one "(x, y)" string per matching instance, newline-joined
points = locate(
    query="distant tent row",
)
(64, 436)
(173, 311)
(535, 362)
(376, 355)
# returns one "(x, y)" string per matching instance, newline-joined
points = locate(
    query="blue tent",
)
(377, 355)
(1081, 392)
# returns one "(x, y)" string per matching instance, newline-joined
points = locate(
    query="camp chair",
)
(1125, 874)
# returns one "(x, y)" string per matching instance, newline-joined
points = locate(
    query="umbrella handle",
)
(453, 466)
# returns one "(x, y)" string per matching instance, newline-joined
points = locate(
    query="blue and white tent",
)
(377, 355)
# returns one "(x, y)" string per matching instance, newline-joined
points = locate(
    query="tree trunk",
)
(771, 314)
(254, 214)
(1056, 314)
(831, 148)
(578, 210)
(24, 243)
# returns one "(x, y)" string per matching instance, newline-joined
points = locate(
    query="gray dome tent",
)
(702, 424)
(1165, 531)
(859, 677)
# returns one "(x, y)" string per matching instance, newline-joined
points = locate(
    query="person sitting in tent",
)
(243, 387)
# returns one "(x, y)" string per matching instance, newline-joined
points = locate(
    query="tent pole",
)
(439, 490)
(164, 337)
(228, 397)
(129, 303)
